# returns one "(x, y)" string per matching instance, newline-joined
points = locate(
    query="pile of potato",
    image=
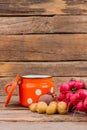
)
(49, 108)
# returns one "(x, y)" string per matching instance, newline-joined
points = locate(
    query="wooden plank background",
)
(43, 37)
(42, 7)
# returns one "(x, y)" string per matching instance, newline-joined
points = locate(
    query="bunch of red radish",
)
(74, 93)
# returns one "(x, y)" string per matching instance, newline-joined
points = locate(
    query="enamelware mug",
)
(31, 87)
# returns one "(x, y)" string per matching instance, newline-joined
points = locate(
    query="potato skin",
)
(62, 107)
(33, 107)
(52, 108)
(41, 107)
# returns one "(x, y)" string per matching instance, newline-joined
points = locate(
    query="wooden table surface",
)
(15, 112)
(15, 116)
(43, 125)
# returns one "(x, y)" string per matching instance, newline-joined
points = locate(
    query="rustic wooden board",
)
(14, 99)
(45, 7)
(53, 68)
(27, 116)
(14, 104)
(56, 52)
(15, 112)
(59, 47)
(57, 81)
(43, 24)
(43, 125)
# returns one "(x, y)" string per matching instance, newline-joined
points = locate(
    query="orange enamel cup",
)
(31, 87)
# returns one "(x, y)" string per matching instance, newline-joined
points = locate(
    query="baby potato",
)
(33, 107)
(41, 107)
(53, 103)
(62, 107)
(52, 108)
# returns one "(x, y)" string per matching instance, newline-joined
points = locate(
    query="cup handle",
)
(6, 88)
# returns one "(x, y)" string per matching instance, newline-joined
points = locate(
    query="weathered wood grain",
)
(3, 82)
(63, 56)
(27, 116)
(43, 125)
(14, 104)
(57, 81)
(43, 24)
(59, 47)
(13, 99)
(14, 112)
(45, 7)
(53, 68)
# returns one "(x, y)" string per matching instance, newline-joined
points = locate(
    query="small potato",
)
(53, 103)
(33, 107)
(41, 107)
(52, 108)
(62, 107)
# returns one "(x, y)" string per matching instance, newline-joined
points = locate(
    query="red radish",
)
(72, 83)
(82, 93)
(80, 106)
(62, 96)
(66, 102)
(75, 98)
(85, 111)
(85, 103)
(64, 88)
(79, 84)
(79, 91)
(71, 106)
(69, 95)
